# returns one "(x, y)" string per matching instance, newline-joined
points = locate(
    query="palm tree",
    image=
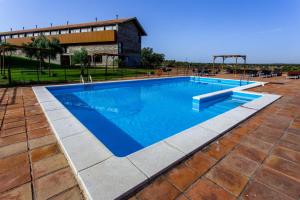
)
(41, 48)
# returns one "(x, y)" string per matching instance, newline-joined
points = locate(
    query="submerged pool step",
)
(227, 99)
(200, 103)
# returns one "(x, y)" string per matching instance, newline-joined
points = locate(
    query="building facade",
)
(105, 41)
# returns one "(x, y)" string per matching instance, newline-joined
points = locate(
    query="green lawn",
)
(24, 71)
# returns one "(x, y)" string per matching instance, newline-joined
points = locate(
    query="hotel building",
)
(104, 40)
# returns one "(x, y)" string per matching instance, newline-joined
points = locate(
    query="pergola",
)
(224, 57)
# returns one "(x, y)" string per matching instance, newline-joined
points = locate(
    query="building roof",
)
(81, 25)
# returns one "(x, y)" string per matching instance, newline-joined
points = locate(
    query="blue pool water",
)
(128, 116)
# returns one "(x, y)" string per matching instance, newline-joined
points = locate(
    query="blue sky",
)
(267, 31)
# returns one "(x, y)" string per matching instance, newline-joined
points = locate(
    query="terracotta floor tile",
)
(295, 131)
(267, 134)
(14, 175)
(54, 183)
(13, 161)
(181, 176)
(284, 166)
(234, 136)
(204, 189)
(229, 179)
(13, 149)
(22, 192)
(36, 110)
(239, 163)
(287, 154)
(258, 191)
(217, 150)
(257, 144)
(38, 125)
(278, 182)
(159, 189)
(36, 119)
(292, 138)
(133, 198)
(4, 141)
(47, 165)
(242, 129)
(250, 152)
(13, 124)
(13, 119)
(72, 194)
(12, 131)
(289, 145)
(14, 114)
(280, 122)
(36, 133)
(200, 162)
(42, 141)
(44, 152)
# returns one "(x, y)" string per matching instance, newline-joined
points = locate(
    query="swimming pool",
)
(129, 116)
(118, 135)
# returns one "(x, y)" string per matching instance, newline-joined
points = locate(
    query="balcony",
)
(75, 38)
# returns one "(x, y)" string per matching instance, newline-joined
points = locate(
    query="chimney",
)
(10, 29)
(51, 24)
(96, 19)
(117, 16)
(67, 22)
(36, 26)
(23, 27)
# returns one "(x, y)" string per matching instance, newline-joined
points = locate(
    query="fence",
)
(20, 75)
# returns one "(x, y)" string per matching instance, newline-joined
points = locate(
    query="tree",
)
(81, 57)
(41, 48)
(6, 48)
(150, 58)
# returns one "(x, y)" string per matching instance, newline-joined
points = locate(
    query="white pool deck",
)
(103, 176)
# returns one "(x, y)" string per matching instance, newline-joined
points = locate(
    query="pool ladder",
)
(89, 79)
(243, 77)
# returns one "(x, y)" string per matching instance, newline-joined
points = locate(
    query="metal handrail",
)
(81, 79)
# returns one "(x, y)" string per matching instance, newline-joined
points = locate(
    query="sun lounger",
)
(293, 74)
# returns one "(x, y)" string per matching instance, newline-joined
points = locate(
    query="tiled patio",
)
(259, 159)
(32, 165)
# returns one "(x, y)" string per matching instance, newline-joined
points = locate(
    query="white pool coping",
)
(103, 175)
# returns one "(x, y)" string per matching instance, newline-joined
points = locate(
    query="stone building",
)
(104, 40)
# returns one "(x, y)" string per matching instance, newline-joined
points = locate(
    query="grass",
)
(24, 71)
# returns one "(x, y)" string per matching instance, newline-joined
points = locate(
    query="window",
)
(84, 30)
(75, 30)
(15, 36)
(101, 28)
(2, 38)
(21, 35)
(46, 33)
(64, 31)
(54, 32)
(98, 59)
(7, 37)
(36, 34)
(29, 34)
(108, 27)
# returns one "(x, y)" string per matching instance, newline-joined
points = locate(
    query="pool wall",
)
(105, 176)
